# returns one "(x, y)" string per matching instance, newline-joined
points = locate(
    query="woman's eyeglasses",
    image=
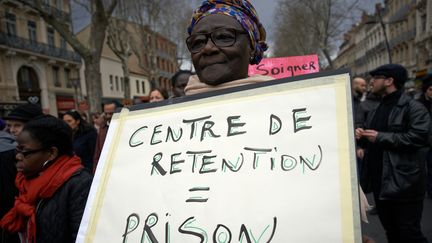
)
(223, 37)
(28, 152)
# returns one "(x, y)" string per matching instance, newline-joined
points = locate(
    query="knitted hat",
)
(24, 113)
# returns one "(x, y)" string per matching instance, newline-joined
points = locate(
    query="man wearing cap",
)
(426, 100)
(395, 136)
(19, 116)
(15, 122)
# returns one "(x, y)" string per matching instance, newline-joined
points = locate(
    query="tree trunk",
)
(93, 84)
(126, 78)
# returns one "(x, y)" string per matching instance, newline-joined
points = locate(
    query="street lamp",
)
(382, 24)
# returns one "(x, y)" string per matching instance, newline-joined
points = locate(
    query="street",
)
(376, 232)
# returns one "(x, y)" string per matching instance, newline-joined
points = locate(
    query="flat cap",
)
(395, 71)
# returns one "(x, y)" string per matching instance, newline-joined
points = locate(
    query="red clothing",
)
(103, 130)
(23, 215)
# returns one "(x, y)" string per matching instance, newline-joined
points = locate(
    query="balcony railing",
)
(37, 47)
(51, 10)
(403, 37)
(376, 49)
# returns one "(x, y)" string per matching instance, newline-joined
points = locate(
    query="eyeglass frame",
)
(209, 36)
(28, 152)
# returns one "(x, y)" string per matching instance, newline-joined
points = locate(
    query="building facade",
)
(37, 65)
(399, 31)
(114, 87)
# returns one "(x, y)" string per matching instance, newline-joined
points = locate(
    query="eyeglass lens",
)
(220, 37)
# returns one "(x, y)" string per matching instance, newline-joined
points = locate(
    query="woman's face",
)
(71, 121)
(155, 96)
(216, 65)
(30, 155)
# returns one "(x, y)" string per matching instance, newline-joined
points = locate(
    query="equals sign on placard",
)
(198, 199)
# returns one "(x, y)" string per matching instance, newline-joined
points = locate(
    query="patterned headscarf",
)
(244, 13)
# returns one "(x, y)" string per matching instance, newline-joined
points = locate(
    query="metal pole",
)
(385, 33)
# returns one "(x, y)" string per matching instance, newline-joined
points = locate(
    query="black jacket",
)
(84, 145)
(8, 172)
(404, 148)
(58, 218)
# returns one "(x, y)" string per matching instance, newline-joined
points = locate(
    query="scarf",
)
(195, 86)
(23, 215)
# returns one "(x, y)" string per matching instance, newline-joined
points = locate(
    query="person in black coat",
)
(84, 137)
(8, 173)
(52, 183)
(395, 137)
(426, 100)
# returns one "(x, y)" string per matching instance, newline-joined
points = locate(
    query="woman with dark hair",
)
(158, 94)
(53, 186)
(224, 38)
(83, 136)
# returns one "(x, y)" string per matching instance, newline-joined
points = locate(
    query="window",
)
(121, 84)
(111, 83)
(117, 83)
(143, 86)
(137, 86)
(67, 75)
(31, 25)
(62, 43)
(11, 24)
(50, 35)
(56, 78)
(47, 2)
(423, 23)
(59, 4)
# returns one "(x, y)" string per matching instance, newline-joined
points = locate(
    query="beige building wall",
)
(408, 27)
(139, 83)
(112, 78)
(27, 61)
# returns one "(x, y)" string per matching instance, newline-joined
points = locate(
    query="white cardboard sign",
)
(273, 163)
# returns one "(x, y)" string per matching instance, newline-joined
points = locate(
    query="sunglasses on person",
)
(223, 37)
(26, 153)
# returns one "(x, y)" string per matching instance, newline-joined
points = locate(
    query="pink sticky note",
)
(282, 67)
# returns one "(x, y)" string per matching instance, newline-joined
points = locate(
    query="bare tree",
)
(119, 41)
(174, 26)
(309, 26)
(100, 11)
(145, 15)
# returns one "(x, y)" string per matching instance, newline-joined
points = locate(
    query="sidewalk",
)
(375, 230)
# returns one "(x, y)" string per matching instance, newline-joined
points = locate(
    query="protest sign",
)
(271, 162)
(283, 67)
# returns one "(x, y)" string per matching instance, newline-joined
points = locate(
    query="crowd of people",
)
(46, 163)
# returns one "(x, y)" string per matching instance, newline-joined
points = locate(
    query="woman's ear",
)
(53, 153)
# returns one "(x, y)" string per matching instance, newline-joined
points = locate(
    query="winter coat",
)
(404, 147)
(84, 144)
(8, 172)
(58, 218)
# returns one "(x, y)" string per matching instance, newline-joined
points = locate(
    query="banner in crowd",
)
(283, 67)
(271, 162)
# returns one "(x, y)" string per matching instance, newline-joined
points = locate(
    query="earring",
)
(45, 163)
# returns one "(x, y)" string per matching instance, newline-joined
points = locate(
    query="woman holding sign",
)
(224, 38)
(52, 184)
